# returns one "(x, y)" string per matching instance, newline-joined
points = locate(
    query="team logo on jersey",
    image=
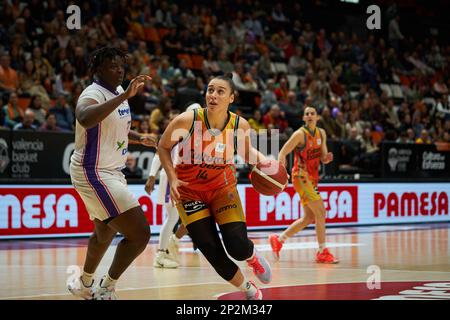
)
(120, 145)
(319, 142)
(220, 147)
(124, 112)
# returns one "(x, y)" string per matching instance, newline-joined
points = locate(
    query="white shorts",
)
(163, 189)
(104, 192)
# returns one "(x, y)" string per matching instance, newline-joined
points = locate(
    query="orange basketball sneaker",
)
(276, 245)
(325, 257)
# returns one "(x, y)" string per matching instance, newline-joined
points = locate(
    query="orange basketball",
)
(269, 177)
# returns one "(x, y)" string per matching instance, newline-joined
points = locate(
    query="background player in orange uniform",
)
(203, 184)
(310, 144)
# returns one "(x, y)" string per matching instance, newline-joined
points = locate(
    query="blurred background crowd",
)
(368, 86)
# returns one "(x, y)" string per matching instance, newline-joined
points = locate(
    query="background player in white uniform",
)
(167, 255)
(101, 140)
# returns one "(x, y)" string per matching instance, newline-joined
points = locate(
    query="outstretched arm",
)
(90, 112)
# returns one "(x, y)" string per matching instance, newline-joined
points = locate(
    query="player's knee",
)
(144, 237)
(239, 248)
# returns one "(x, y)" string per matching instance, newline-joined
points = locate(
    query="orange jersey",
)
(307, 157)
(206, 156)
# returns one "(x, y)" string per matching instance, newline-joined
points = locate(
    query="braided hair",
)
(102, 54)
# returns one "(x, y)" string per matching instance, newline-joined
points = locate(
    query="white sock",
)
(169, 224)
(247, 288)
(109, 282)
(87, 279)
(283, 237)
(321, 247)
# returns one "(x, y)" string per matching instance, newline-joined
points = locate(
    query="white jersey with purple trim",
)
(104, 146)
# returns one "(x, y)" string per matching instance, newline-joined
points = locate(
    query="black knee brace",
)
(206, 238)
(236, 241)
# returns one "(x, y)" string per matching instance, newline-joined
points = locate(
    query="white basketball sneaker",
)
(104, 293)
(165, 260)
(77, 288)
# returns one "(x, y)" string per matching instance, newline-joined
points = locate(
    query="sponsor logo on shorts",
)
(192, 207)
(227, 207)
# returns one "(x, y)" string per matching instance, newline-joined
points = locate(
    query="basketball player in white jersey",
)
(167, 255)
(101, 140)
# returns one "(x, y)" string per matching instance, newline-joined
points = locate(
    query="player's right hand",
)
(136, 84)
(150, 184)
(174, 194)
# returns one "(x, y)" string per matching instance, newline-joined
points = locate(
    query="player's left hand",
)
(148, 141)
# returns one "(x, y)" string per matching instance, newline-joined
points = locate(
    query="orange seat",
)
(377, 137)
(151, 34)
(162, 32)
(23, 103)
(187, 58)
(197, 61)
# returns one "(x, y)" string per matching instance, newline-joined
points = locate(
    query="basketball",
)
(269, 177)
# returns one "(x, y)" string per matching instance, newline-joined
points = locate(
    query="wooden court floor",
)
(403, 255)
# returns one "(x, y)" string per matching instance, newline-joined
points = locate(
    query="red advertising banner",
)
(341, 203)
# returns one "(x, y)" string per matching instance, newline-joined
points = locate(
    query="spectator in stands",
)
(440, 88)
(79, 63)
(13, 113)
(269, 97)
(275, 120)
(50, 124)
(166, 71)
(43, 67)
(184, 77)
(30, 83)
(39, 112)
(369, 72)
(352, 77)
(351, 148)
(293, 111)
(9, 80)
(395, 35)
(64, 114)
(210, 66)
(65, 81)
(371, 156)
(297, 63)
(327, 123)
(403, 138)
(392, 117)
(144, 126)
(265, 65)
(131, 170)
(256, 121)
(282, 90)
(159, 114)
(424, 137)
(225, 65)
(107, 27)
(27, 122)
(341, 132)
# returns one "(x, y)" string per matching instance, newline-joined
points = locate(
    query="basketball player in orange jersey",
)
(203, 184)
(310, 145)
